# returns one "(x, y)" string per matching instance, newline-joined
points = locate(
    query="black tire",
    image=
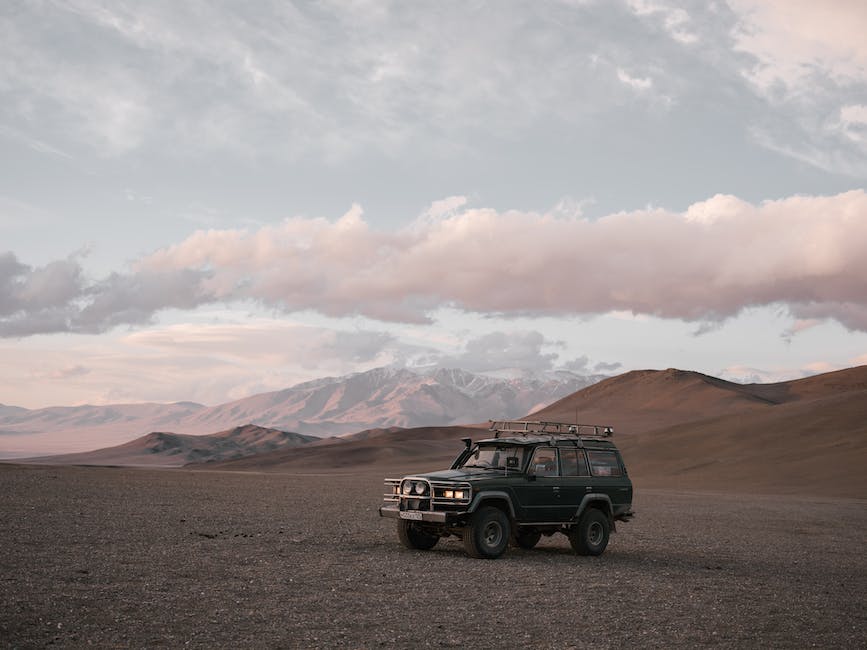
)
(590, 536)
(526, 538)
(413, 537)
(488, 534)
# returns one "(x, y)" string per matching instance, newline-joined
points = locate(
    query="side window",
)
(573, 462)
(544, 462)
(569, 462)
(604, 463)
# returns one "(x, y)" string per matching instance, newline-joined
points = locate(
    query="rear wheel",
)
(413, 537)
(590, 535)
(487, 536)
(526, 538)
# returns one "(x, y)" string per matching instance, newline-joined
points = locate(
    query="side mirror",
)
(468, 442)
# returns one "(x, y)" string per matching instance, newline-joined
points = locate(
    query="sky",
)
(206, 200)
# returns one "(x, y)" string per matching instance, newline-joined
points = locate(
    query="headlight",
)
(454, 494)
(407, 487)
(449, 494)
(459, 494)
(419, 487)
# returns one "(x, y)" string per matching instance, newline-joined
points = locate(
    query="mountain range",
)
(333, 406)
(676, 428)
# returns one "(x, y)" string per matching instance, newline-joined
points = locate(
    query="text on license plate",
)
(410, 514)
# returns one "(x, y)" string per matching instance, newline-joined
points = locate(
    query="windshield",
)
(494, 457)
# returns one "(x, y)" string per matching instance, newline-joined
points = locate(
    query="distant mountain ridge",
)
(164, 449)
(378, 398)
(676, 429)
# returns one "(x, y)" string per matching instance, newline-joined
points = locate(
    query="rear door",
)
(575, 481)
(609, 477)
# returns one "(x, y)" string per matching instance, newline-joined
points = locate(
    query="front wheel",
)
(487, 535)
(590, 535)
(413, 537)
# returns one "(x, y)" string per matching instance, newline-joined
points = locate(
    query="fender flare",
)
(594, 497)
(498, 495)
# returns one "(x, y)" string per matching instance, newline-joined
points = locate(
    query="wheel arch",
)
(497, 499)
(600, 502)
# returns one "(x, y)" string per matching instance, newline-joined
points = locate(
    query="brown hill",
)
(645, 400)
(808, 446)
(163, 449)
(392, 448)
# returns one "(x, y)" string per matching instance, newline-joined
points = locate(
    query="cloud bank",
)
(704, 265)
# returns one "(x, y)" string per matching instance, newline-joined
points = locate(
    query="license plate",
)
(410, 514)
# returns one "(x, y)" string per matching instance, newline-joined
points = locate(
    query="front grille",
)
(415, 494)
(432, 495)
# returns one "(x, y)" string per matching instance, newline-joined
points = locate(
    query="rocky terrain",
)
(110, 557)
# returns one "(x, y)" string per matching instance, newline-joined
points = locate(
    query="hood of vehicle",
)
(470, 474)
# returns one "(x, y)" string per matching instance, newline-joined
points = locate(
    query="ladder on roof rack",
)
(525, 427)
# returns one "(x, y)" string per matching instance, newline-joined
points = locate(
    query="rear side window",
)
(604, 463)
(573, 462)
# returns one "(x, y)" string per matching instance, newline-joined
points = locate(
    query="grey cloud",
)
(134, 298)
(23, 288)
(607, 367)
(498, 350)
(57, 297)
(362, 345)
(578, 364)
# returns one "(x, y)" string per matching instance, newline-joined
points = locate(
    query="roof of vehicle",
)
(557, 440)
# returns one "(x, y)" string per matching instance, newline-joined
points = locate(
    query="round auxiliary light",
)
(419, 487)
(407, 487)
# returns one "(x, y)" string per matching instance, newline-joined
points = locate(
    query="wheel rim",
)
(492, 534)
(594, 534)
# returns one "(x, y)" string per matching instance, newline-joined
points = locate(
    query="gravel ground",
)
(172, 558)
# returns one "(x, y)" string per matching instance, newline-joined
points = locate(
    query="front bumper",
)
(434, 516)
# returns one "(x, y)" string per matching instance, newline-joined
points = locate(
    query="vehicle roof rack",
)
(535, 427)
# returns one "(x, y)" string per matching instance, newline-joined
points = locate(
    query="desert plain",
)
(135, 558)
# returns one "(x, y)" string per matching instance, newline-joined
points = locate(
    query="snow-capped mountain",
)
(381, 397)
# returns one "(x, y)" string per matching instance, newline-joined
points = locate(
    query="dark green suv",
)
(530, 479)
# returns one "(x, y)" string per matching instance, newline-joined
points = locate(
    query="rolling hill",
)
(162, 449)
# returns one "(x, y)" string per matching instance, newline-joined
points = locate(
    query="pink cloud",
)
(705, 264)
(708, 263)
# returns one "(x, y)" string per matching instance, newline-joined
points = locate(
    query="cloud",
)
(502, 350)
(674, 20)
(602, 366)
(68, 372)
(704, 265)
(808, 61)
(272, 343)
(636, 83)
(58, 297)
(123, 77)
(795, 40)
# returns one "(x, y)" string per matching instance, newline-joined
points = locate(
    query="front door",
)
(539, 495)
